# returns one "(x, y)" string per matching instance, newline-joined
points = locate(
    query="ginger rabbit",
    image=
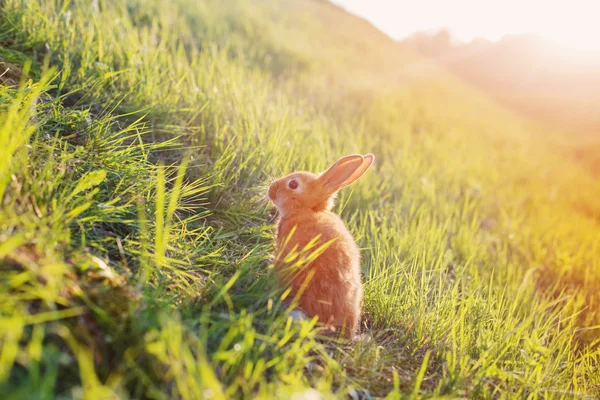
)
(329, 283)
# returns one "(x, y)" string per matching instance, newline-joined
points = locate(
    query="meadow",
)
(136, 238)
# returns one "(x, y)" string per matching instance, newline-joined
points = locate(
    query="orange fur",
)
(334, 290)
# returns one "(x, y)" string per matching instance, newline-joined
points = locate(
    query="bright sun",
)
(576, 40)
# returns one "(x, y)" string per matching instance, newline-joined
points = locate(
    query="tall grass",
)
(136, 239)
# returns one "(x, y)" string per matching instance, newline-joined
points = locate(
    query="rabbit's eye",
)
(293, 184)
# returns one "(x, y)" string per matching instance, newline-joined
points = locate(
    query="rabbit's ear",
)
(345, 171)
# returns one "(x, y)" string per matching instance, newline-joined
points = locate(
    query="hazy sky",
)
(575, 23)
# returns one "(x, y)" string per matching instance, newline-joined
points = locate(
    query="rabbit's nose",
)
(273, 192)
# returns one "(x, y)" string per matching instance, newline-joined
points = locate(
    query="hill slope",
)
(530, 74)
(136, 239)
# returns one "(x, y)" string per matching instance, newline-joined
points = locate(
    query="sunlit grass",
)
(136, 240)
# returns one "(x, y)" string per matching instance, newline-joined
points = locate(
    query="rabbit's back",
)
(334, 292)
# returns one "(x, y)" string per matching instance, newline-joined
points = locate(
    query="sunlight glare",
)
(573, 24)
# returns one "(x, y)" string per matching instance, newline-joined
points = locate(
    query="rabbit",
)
(329, 284)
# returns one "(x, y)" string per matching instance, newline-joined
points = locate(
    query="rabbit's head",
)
(308, 191)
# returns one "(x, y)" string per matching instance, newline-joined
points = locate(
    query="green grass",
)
(135, 238)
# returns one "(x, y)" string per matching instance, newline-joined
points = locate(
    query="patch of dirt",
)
(10, 74)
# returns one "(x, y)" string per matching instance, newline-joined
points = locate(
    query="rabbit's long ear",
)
(345, 171)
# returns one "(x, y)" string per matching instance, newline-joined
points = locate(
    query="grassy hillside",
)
(135, 238)
(557, 89)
